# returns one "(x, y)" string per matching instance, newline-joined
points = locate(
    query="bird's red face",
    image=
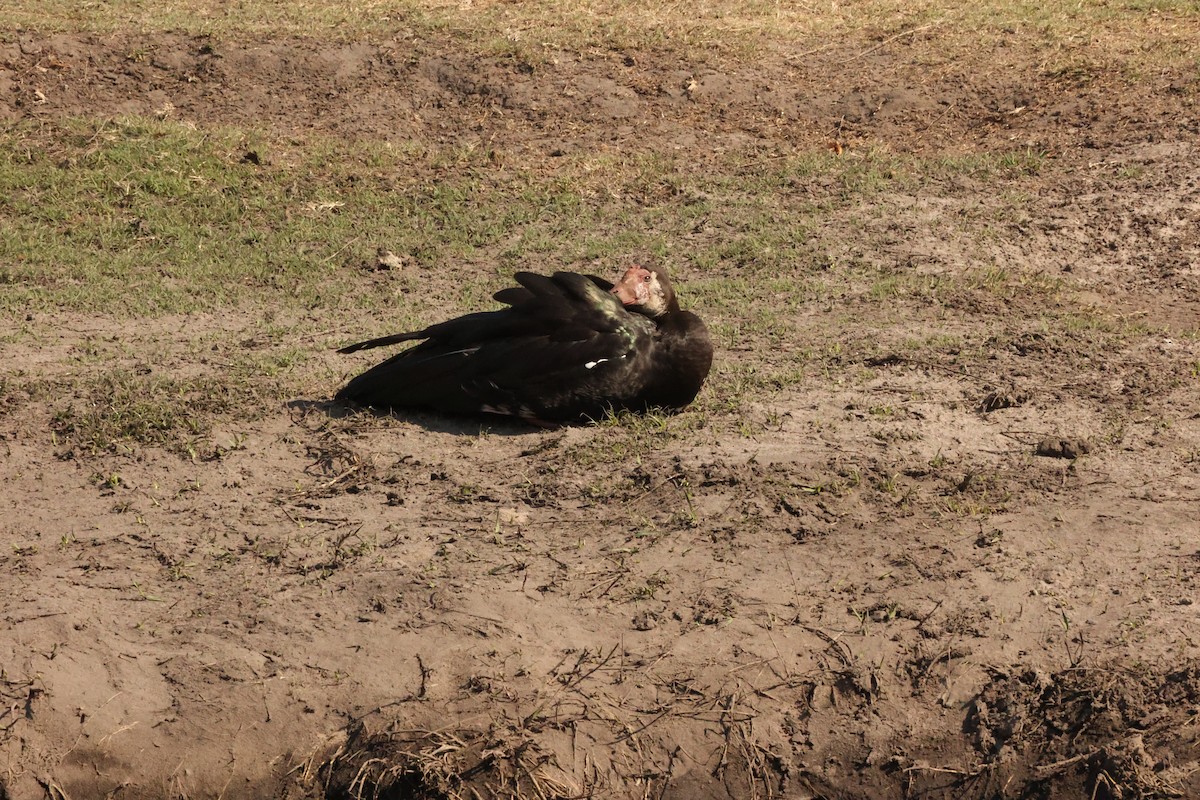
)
(640, 287)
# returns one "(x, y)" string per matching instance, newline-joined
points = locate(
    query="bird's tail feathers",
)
(382, 341)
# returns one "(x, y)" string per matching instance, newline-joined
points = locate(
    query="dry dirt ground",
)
(966, 573)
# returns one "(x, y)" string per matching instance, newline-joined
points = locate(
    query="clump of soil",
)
(444, 765)
(1088, 732)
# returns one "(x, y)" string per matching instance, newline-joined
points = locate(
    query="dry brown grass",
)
(1145, 33)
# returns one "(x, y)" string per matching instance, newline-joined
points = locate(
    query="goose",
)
(568, 347)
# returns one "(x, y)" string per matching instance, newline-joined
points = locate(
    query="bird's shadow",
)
(429, 420)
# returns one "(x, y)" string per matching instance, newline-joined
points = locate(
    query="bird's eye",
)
(646, 279)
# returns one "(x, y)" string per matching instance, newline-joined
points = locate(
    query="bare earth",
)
(972, 574)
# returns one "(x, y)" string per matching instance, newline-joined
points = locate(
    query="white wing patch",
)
(599, 361)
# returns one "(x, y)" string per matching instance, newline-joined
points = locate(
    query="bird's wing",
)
(487, 323)
(570, 349)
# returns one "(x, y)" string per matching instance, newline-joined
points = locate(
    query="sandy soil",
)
(967, 577)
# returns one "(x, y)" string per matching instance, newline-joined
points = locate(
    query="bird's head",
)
(646, 290)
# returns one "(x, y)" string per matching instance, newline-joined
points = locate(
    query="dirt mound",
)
(840, 94)
(1087, 732)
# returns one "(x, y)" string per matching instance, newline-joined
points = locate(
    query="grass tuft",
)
(116, 412)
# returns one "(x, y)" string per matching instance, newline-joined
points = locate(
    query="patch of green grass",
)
(118, 411)
(1006, 165)
(626, 438)
(979, 494)
(140, 218)
(889, 283)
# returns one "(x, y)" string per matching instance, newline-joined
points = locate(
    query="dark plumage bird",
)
(568, 347)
